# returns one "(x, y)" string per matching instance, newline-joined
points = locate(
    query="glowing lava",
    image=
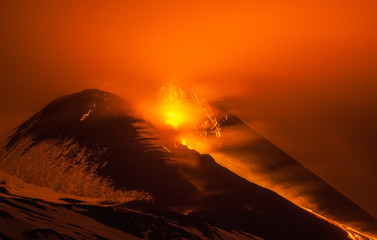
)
(175, 107)
(352, 233)
(184, 109)
(196, 127)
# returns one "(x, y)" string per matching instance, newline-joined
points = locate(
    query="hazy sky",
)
(302, 73)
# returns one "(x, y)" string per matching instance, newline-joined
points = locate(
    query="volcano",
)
(94, 145)
(258, 160)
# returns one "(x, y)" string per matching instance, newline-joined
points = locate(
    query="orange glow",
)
(174, 115)
(189, 143)
(175, 107)
(302, 71)
(183, 110)
(352, 233)
(85, 115)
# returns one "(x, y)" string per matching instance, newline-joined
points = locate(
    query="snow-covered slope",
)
(32, 212)
(91, 145)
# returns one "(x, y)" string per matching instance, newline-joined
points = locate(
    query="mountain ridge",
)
(123, 151)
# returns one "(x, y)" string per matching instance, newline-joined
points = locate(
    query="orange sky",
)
(302, 73)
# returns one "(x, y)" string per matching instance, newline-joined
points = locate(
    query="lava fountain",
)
(186, 116)
(195, 123)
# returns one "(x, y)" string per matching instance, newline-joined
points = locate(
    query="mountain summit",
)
(93, 144)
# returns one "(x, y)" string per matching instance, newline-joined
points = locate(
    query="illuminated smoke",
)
(196, 123)
(181, 109)
(181, 106)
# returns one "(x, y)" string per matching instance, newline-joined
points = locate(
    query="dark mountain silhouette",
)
(101, 133)
(285, 174)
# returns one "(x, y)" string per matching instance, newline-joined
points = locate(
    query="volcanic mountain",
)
(93, 144)
(258, 160)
